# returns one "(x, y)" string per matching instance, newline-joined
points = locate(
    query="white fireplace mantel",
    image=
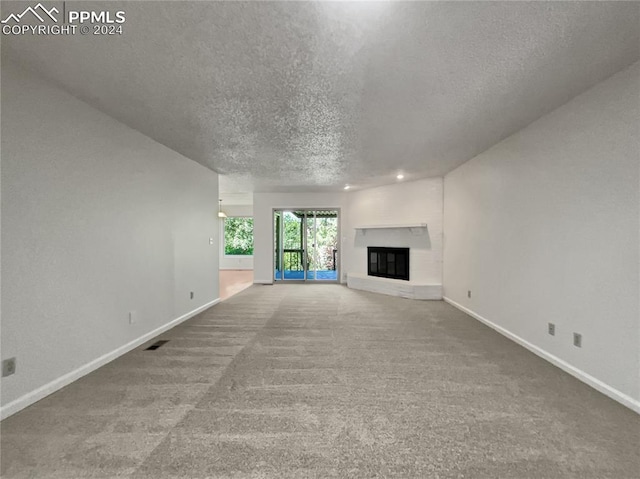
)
(415, 228)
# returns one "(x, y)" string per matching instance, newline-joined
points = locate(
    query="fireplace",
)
(388, 262)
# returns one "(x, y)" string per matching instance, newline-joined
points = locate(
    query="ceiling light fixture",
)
(346, 187)
(221, 214)
(400, 176)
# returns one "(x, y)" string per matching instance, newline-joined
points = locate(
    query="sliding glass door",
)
(322, 245)
(306, 245)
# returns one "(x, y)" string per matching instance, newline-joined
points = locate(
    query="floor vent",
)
(156, 345)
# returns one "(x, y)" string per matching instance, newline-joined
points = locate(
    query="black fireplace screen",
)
(388, 262)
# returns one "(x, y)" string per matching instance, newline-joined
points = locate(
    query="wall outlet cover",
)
(552, 329)
(8, 367)
(577, 340)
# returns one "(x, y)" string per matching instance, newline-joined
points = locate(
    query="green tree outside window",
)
(238, 236)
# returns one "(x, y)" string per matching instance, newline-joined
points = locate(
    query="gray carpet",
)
(304, 381)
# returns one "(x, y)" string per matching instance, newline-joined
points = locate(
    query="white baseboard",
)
(49, 388)
(586, 378)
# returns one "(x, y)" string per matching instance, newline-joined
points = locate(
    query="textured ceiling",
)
(299, 96)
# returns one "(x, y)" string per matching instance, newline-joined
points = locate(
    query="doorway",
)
(306, 245)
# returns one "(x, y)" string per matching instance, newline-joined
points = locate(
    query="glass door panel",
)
(291, 262)
(277, 243)
(312, 262)
(326, 245)
(306, 245)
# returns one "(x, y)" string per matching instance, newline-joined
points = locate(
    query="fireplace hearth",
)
(388, 262)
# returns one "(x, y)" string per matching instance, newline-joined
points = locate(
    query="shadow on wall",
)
(392, 237)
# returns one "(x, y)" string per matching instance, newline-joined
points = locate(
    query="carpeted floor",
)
(316, 381)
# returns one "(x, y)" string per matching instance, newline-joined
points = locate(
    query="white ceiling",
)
(300, 96)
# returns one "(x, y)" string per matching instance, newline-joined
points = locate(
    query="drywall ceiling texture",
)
(300, 96)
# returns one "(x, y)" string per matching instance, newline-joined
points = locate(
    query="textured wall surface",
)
(97, 221)
(544, 227)
(299, 95)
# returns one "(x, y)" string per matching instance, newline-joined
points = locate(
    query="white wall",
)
(263, 205)
(402, 203)
(234, 261)
(97, 221)
(544, 227)
(408, 202)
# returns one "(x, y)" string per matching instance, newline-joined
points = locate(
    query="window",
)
(238, 236)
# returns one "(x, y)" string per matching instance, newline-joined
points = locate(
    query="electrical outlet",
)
(210, 240)
(133, 317)
(469, 294)
(191, 295)
(577, 340)
(8, 367)
(552, 329)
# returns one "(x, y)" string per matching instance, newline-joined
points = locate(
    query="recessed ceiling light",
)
(400, 176)
(347, 187)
